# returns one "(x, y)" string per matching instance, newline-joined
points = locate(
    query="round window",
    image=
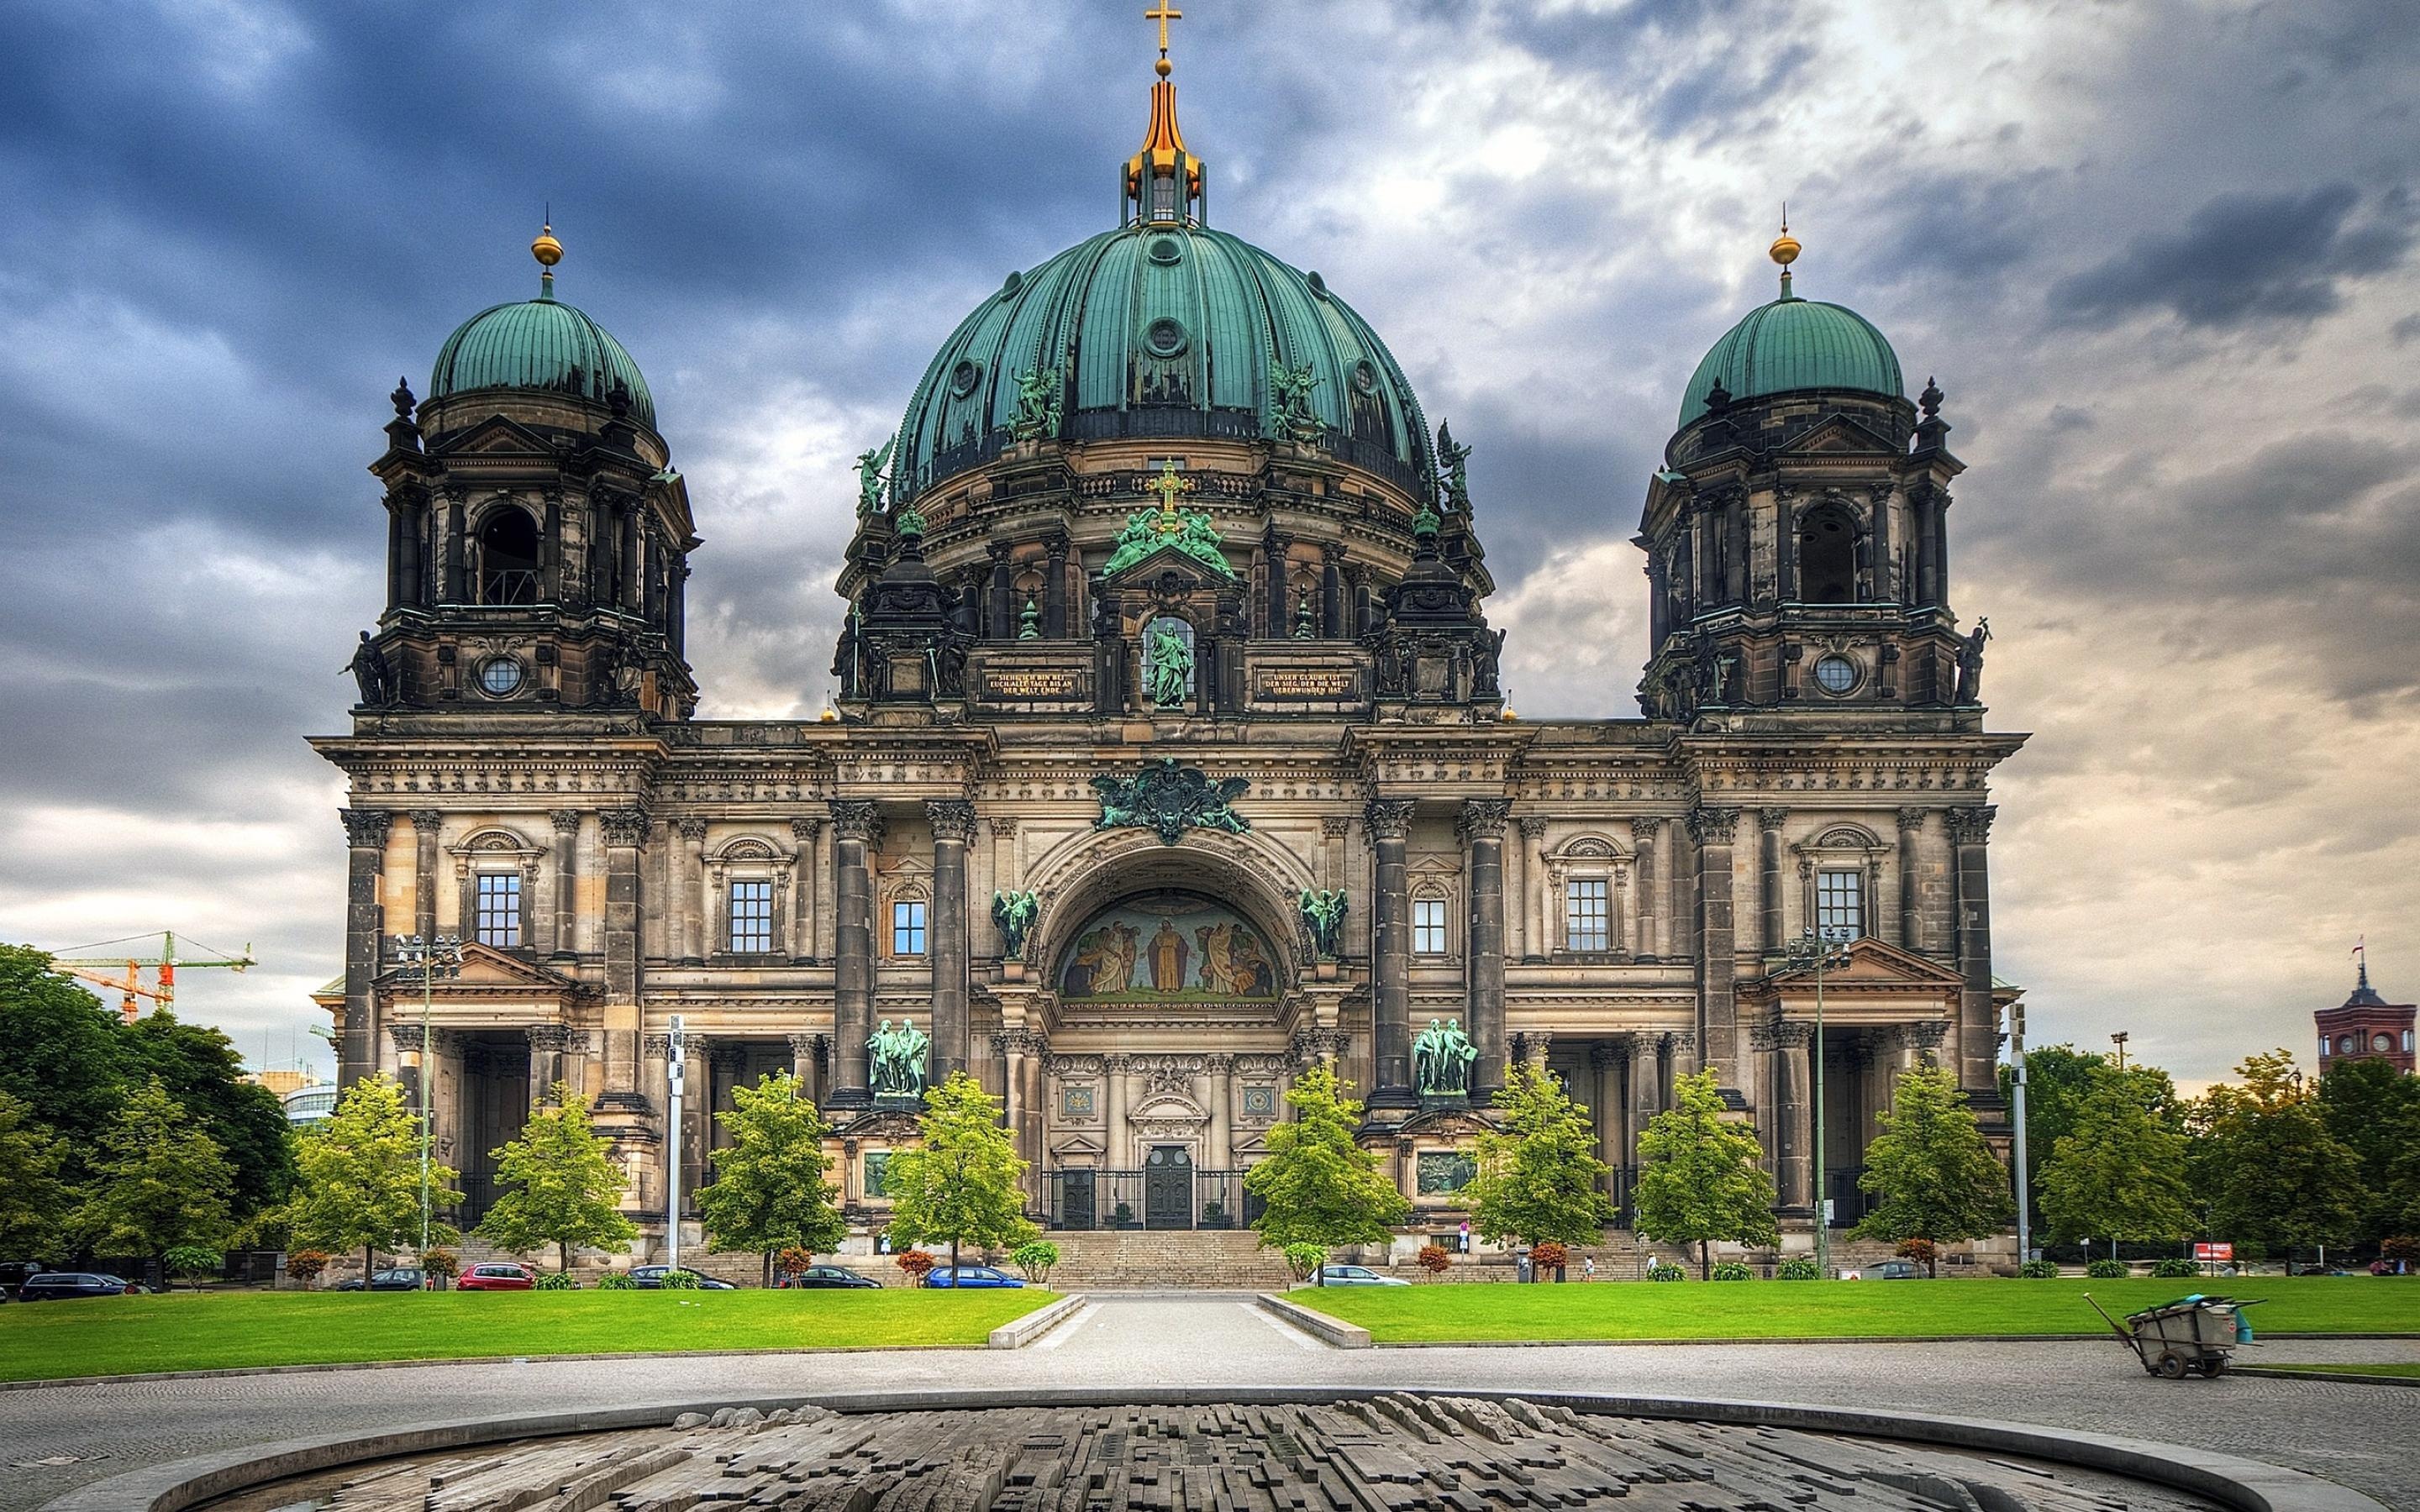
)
(1165, 336)
(1365, 378)
(500, 677)
(1008, 288)
(1835, 675)
(2381, 1042)
(1166, 250)
(964, 377)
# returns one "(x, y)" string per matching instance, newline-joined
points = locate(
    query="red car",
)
(497, 1275)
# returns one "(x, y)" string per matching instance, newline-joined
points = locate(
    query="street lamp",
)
(1819, 949)
(429, 960)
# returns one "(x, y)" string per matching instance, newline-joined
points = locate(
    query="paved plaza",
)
(2366, 1437)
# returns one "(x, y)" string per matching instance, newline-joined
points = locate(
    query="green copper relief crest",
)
(1441, 1059)
(1323, 912)
(895, 1060)
(1146, 530)
(1015, 913)
(1168, 799)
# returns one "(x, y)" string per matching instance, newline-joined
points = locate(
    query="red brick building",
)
(2365, 1027)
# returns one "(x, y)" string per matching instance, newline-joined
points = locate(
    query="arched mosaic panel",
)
(1168, 946)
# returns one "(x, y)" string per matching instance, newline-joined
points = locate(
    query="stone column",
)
(1712, 829)
(1281, 602)
(1331, 592)
(806, 1054)
(564, 927)
(1796, 1127)
(1525, 940)
(1481, 831)
(1651, 914)
(424, 822)
(366, 861)
(453, 591)
(1646, 1089)
(1911, 906)
(656, 1050)
(1334, 830)
(625, 831)
(1117, 1150)
(1604, 1099)
(1975, 1044)
(1390, 822)
(854, 831)
(953, 826)
(691, 886)
(1768, 898)
(548, 1045)
(806, 920)
(1214, 1088)
(1054, 586)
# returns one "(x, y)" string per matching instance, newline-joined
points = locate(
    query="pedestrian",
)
(1587, 1268)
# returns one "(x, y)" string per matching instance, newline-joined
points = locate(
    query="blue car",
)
(969, 1276)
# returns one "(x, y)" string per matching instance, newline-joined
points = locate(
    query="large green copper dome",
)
(1163, 329)
(542, 344)
(1794, 344)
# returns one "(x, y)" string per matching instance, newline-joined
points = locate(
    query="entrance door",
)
(1167, 1188)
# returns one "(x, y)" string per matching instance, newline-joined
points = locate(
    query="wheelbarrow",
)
(2191, 1334)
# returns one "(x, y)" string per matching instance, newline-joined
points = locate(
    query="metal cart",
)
(2191, 1334)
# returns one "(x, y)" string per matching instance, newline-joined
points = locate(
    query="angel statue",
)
(870, 466)
(1454, 477)
(1323, 910)
(1015, 913)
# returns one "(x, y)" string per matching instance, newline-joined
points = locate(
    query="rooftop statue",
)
(1290, 413)
(373, 673)
(1194, 535)
(1453, 477)
(1038, 393)
(870, 478)
(1970, 663)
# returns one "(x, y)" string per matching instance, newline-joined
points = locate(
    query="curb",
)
(2243, 1484)
(1019, 1332)
(1333, 1332)
(49, 1383)
(2269, 1372)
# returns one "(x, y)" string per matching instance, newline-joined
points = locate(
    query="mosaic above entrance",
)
(1168, 946)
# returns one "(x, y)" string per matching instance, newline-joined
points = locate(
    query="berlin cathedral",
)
(1168, 757)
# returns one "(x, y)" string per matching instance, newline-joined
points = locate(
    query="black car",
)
(396, 1278)
(651, 1278)
(829, 1276)
(59, 1286)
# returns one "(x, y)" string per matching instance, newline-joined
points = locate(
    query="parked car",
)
(15, 1274)
(968, 1277)
(651, 1278)
(1894, 1270)
(827, 1277)
(61, 1285)
(1357, 1275)
(497, 1275)
(394, 1279)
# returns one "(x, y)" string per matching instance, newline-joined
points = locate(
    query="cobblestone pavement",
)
(2366, 1437)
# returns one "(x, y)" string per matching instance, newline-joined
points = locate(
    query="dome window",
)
(1365, 378)
(508, 558)
(1167, 251)
(1165, 338)
(1835, 675)
(964, 377)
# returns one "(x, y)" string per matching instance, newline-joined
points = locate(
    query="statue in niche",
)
(1167, 666)
(1441, 1059)
(1015, 913)
(1486, 677)
(1970, 663)
(1323, 910)
(373, 673)
(870, 478)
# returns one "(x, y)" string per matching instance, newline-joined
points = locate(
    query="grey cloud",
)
(2244, 258)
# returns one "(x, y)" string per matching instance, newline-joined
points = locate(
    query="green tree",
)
(2120, 1173)
(1538, 1174)
(1699, 1176)
(203, 1072)
(770, 1190)
(2274, 1174)
(359, 1176)
(1317, 1186)
(58, 1053)
(2373, 1110)
(35, 1202)
(1935, 1177)
(960, 1184)
(2059, 1078)
(567, 1190)
(158, 1183)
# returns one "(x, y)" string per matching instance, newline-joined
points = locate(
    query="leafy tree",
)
(1317, 1186)
(194, 1262)
(2374, 1110)
(359, 1176)
(770, 1191)
(158, 1182)
(1035, 1257)
(1538, 1175)
(2059, 1080)
(34, 1201)
(1935, 1177)
(2120, 1174)
(2275, 1173)
(567, 1189)
(1699, 1179)
(960, 1185)
(204, 1073)
(58, 1053)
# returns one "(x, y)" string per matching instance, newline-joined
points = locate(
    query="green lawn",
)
(1841, 1310)
(210, 1331)
(2408, 1372)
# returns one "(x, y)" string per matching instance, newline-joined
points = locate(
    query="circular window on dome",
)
(1365, 378)
(1166, 250)
(964, 377)
(1165, 336)
(500, 677)
(1318, 285)
(1008, 289)
(1835, 675)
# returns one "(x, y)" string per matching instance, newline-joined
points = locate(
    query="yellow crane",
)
(122, 971)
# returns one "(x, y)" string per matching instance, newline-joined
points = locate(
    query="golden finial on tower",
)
(1163, 13)
(548, 252)
(1784, 249)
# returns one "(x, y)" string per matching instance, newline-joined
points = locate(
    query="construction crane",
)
(121, 971)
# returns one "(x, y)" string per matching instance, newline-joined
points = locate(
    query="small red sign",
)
(2213, 1252)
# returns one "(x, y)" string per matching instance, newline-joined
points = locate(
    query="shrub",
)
(617, 1281)
(1304, 1259)
(2176, 1267)
(2038, 1270)
(1798, 1271)
(916, 1263)
(1035, 1257)
(680, 1281)
(1658, 1271)
(559, 1281)
(1733, 1271)
(193, 1263)
(2399, 1247)
(1548, 1255)
(1435, 1259)
(443, 1262)
(2108, 1270)
(1919, 1250)
(304, 1265)
(792, 1260)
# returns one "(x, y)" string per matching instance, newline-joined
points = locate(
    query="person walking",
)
(1587, 1268)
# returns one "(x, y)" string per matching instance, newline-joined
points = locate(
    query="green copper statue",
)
(869, 477)
(1290, 413)
(1453, 472)
(1322, 909)
(1037, 405)
(896, 1059)
(1441, 1059)
(1166, 667)
(1015, 913)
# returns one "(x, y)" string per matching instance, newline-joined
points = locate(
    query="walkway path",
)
(2366, 1437)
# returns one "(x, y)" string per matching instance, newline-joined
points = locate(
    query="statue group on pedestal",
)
(896, 1058)
(1441, 1059)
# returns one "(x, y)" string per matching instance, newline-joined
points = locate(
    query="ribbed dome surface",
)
(543, 345)
(1795, 344)
(1161, 330)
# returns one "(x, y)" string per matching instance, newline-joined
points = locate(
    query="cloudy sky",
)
(2159, 255)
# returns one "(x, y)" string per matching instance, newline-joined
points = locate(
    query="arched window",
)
(1828, 556)
(508, 558)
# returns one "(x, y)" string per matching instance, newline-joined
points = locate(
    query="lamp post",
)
(1819, 949)
(430, 960)
(2017, 1147)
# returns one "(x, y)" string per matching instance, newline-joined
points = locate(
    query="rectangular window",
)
(497, 921)
(1428, 926)
(1586, 915)
(907, 928)
(1840, 904)
(751, 916)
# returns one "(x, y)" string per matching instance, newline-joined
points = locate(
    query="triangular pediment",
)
(1447, 1124)
(1166, 561)
(1870, 963)
(1079, 1144)
(496, 435)
(1838, 435)
(484, 966)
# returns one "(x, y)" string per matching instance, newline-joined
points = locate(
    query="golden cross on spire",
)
(1170, 484)
(1163, 13)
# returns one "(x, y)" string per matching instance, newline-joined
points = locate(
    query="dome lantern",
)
(1162, 183)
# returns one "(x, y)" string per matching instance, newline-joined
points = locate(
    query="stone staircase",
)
(1204, 1258)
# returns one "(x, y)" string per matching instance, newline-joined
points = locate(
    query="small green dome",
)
(542, 344)
(1163, 329)
(1794, 344)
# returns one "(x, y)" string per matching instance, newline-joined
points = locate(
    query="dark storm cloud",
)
(2247, 257)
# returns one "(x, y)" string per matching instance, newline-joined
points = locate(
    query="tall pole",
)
(439, 957)
(1822, 1181)
(2017, 1082)
(676, 1065)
